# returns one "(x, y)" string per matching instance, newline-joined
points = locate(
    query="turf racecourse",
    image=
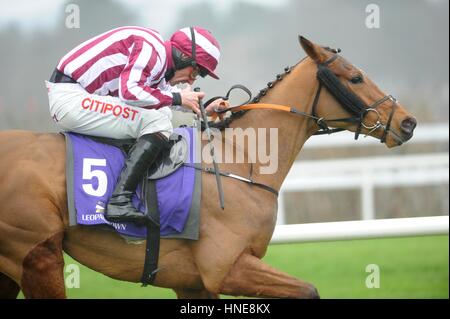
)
(415, 267)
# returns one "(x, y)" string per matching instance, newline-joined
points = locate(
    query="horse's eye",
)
(357, 79)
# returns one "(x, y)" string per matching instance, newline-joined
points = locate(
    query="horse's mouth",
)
(408, 137)
(400, 139)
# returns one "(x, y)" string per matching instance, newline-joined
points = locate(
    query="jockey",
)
(121, 84)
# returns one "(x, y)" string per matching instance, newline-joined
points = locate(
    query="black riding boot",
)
(141, 157)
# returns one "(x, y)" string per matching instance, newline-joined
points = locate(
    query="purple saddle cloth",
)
(93, 169)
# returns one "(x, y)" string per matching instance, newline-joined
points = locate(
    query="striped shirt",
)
(128, 62)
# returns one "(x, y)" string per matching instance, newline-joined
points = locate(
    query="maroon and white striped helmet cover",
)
(207, 47)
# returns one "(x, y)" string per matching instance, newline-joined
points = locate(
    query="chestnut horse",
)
(226, 259)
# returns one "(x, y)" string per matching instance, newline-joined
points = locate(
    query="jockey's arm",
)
(142, 62)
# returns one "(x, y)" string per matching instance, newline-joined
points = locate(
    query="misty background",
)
(407, 57)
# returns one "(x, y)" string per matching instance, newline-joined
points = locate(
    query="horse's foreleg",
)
(9, 289)
(43, 270)
(250, 277)
(195, 294)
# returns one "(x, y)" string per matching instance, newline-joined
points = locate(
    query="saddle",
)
(169, 160)
(169, 192)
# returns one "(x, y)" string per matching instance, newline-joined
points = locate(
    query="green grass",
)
(409, 267)
(415, 267)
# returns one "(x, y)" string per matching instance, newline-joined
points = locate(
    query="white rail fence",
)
(366, 174)
(428, 133)
(362, 229)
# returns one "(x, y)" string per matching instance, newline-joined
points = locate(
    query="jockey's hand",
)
(217, 105)
(190, 99)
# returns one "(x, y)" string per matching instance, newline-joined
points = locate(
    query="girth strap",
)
(153, 234)
(231, 175)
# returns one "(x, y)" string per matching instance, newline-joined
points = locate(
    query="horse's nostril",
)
(408, 125)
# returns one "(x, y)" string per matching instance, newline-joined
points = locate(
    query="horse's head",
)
(346, 98)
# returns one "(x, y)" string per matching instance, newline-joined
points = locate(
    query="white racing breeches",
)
(74, 109)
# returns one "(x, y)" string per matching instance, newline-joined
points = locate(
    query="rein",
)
(347, 99)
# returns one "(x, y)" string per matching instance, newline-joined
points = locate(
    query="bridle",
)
(347, 99)
(350, 102)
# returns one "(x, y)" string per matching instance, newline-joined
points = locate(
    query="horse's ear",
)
(314, 51)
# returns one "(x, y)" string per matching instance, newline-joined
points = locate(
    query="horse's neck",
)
(295, 90)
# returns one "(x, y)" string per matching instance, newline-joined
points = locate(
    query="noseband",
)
(350, 102)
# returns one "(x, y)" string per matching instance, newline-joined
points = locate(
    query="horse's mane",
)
(221, 125)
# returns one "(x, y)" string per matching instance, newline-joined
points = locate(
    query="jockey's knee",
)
(161, 124)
